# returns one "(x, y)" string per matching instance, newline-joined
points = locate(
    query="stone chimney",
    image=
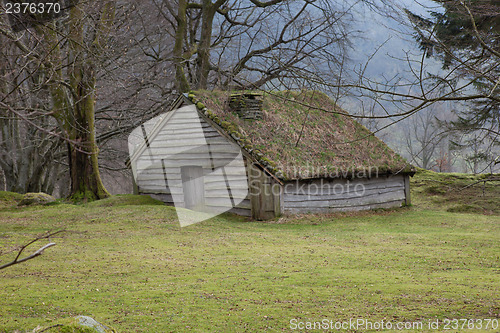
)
(246, 105)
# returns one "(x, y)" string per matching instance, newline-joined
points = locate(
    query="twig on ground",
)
(36, 253)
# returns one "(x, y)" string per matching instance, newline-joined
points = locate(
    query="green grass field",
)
(126, 263)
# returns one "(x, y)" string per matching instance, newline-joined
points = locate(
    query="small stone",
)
(92, 323)
(76, 324)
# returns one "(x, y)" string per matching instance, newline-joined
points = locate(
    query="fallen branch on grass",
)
(36, 253)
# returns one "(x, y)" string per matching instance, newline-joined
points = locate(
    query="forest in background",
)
(73, 88)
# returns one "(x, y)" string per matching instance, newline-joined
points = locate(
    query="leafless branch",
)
(36, 253)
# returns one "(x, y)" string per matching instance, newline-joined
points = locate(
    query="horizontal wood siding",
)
(322, 196)
(188, 140)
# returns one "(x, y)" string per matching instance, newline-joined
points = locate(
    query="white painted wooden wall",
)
(186, 130)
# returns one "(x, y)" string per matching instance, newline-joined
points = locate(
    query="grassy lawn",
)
(125, 262)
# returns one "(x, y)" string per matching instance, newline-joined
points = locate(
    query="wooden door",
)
(193, 187)
(261, 194)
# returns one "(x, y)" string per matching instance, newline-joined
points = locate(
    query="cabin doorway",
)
(265, 204)
(193, 187)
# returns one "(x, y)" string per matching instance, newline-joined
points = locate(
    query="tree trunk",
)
(69, 55)
(181, 81)
(74, 109)
(203, 60)
(86, 183)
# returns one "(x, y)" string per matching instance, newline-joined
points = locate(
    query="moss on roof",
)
(297, 139)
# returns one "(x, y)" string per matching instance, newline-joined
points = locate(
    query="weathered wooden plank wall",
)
(321, 196)
(265, 194)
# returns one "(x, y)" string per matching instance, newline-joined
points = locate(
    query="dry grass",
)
(456, 192)
(304, 135)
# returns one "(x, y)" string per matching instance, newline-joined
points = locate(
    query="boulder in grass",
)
(78, 324)
(89, 322)
(36, 199)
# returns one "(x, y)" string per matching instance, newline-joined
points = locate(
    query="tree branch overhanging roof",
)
(299, 139)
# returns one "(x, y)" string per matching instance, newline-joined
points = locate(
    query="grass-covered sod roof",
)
(303, 134)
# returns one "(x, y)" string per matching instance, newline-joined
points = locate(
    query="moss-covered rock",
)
(79, 324)
(36, 199)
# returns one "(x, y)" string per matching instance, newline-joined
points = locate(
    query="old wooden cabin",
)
(265, 155)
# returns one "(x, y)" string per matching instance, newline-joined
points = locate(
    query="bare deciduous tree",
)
(66, 55)
(247, 44)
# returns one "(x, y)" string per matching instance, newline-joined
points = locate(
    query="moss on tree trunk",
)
(86, 183)
(73, 104)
